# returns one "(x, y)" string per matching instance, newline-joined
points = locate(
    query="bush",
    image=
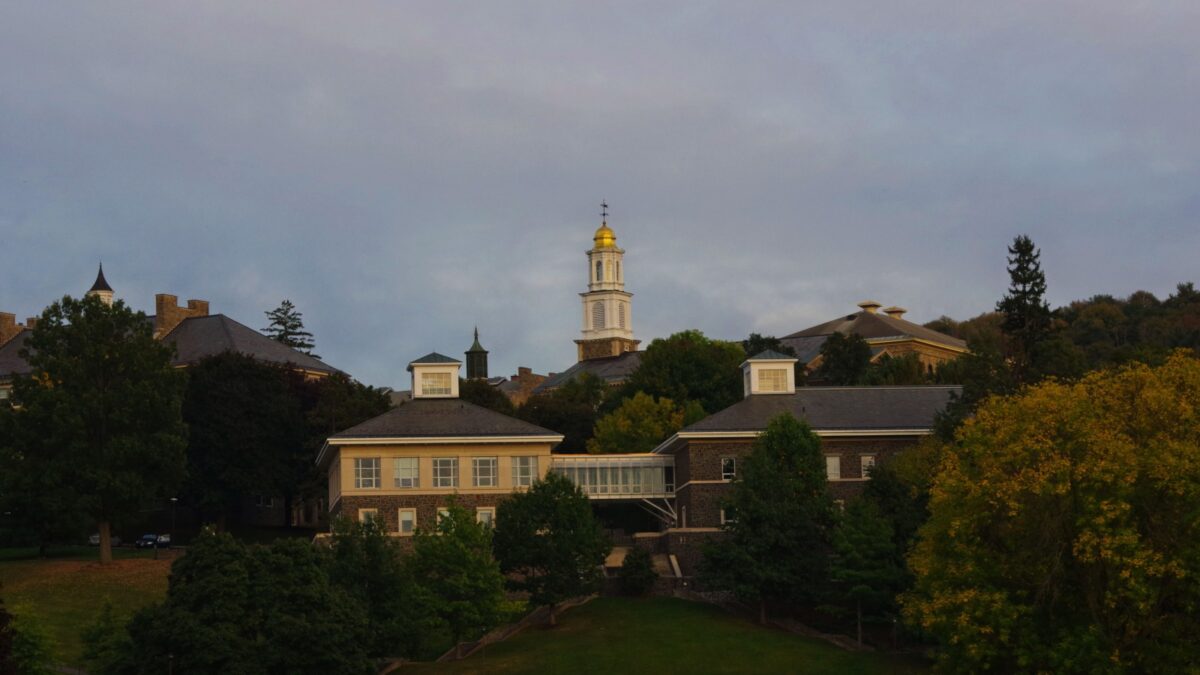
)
(637, 575)
(106, 644)
(30, 646)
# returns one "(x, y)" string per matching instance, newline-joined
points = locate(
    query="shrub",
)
(637, 575)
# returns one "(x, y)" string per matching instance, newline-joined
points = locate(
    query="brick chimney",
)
(895, 312)
(31, 322)
(870, 306)
(9, 328)
(168, 314)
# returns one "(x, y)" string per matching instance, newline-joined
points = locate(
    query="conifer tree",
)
(287, 326)
(1026, 314)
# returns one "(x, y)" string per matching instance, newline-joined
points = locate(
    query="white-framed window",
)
(484, 472)
(486, 515)
(728, 468)
(597, 315)
(368, 515)
(442, 514)
(366, 472)
(408, 472)
(435, 384)
(524, 471)
(728, 515)
(407, 519)
(867, 462)
(833, 467)
(772, 379)
(445, 472)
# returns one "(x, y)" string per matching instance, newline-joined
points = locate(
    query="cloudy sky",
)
(405, 171)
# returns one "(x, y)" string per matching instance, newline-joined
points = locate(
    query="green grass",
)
(664, 635)
(66, 593)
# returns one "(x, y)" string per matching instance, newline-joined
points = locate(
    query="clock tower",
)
(607, 310)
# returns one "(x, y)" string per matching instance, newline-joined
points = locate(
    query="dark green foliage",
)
(549, 538)
(30, 647)
(867, 568)
(637, 575)
(897, 370)
(778, 545)
(688, 366)
(8, 663)
(455, 566)
(481, 393)
(638, 425)
(247, 430)
(366, 563)
(756, 344)
(231, 609)
(1026, 314)
(100, 416)
(845, 360)
(287, 326)
(571, 410)
(106, 643)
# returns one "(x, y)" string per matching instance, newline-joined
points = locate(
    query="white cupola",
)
(769, 372)
(434, 376)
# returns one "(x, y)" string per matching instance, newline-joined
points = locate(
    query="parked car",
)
(94, 540)
(164, 541)
(147, 541)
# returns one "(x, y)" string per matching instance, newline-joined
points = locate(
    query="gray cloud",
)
(406, 171)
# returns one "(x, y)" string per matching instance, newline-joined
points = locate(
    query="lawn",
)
(664, 635)
(66, 593)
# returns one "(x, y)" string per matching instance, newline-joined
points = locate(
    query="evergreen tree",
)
(845, 360)
(287, 326)
(1026, 314)
(866, 567)
(637, 575)
(779, 517)
(101, 414)
(548, 539)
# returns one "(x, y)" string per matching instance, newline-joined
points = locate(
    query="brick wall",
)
(168, 314)
(426, 506)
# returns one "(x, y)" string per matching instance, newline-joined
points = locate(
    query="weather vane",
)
(604, 210)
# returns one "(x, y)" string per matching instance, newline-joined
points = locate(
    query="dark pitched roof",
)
(870, 326)
(101, 284)
(612, 369)
(198, 337)
(770, 355)
(10, 363)
(434, 417)
(434, 357)
(807, 348)
(828, 408)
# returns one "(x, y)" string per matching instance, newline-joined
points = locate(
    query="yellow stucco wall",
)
(343, 466)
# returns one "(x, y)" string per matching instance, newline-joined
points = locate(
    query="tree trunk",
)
(858, 619)
(553, 616)
(105, 543)
(762, 611)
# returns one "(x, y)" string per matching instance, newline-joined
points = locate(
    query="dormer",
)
(434, 376)
(769, 372)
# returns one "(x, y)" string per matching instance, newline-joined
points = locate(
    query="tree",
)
(548, 538)
(100, 411)
(639, 425)
(454, 564)
(756, 344)
(106, 643)
(688, 366)
(571, 410)
(637, 575)
(1026, 314)
(777, 541)
(866, 567)
(368, 564)
(287, 326)
(1063, 534)
(8, 663)
(905, 369)
(36, 495)
(845, 360)
(482, 393)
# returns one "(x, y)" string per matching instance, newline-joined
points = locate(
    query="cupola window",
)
(599, 271)
(772, 379)
(435, 384)
(597, 315)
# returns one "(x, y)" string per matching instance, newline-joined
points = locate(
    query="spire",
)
(101, 284)
(475, 346)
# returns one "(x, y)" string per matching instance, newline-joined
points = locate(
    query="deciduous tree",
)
(638, 425)
(571, 410)
(688, 366)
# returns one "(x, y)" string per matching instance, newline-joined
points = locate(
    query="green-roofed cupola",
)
(434, 376)
(477, 368)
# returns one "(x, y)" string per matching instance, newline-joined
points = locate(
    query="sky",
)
(405, 171)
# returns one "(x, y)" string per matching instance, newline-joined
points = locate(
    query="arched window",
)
(597, 315)
(599, 271)
(621, 314)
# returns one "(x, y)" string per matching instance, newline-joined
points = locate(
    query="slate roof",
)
(836, 408)
(871, 326)
(200, 336)
(611, 369)
(434, 417)
(101, 283)
(770, 355)
(434, 357)
(10, 363)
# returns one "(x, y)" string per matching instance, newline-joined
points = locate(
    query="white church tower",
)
(607, 310)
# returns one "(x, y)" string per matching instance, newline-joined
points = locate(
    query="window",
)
(599, 271)
(772, 379)
(621, 314)
(728, 515)
(484, 472)
(728, 468)
(445, 472)
(3, 394)
(443, 514)
(597, 315)
(435, 384)
(368, 515)
(524, 471)
(486, 515)
(833, 467)
(408, 521)
(366, 472)
(867, 463)
(408, 472)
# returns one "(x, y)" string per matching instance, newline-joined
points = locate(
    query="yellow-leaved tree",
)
(1064, 530)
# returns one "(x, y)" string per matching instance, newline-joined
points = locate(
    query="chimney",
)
(895, 312)
(870, 306)
(31, 322)
(168, 314)
(9, 328)
(198, 307)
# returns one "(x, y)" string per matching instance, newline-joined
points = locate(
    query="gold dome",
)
(605, 237)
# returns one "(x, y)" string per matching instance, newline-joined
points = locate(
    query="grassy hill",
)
(664, 635)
